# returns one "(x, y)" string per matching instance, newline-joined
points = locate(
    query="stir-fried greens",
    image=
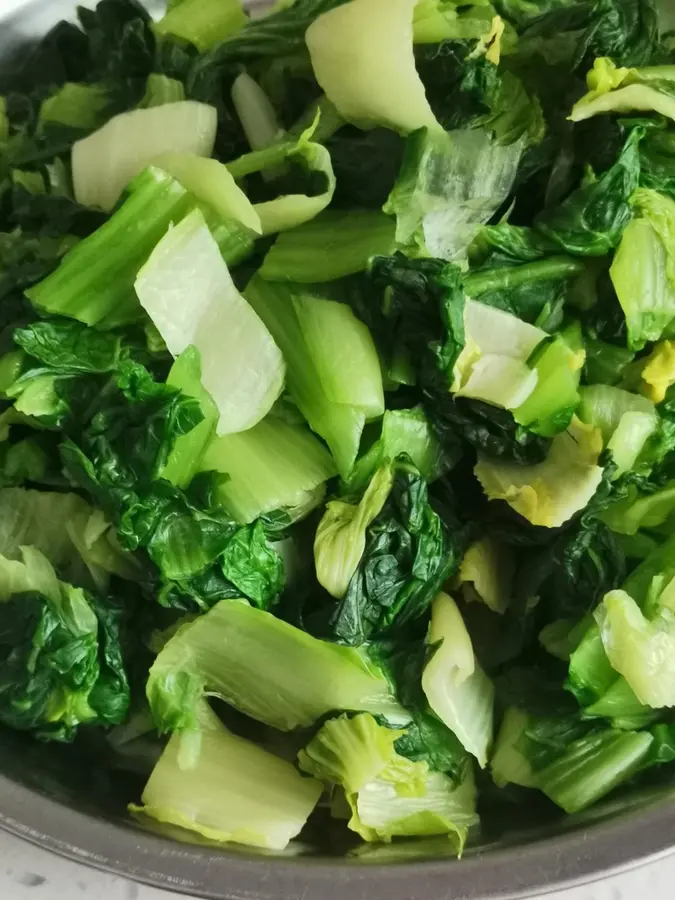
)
(337, 431)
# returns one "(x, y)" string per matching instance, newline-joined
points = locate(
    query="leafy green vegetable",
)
(212, 185)
(294, 208)
(637, 648)
(522, 12)
(201, 553)
(60, 659)
(644, 259)
(456, 687)
(207, 312)
(486, 574)
(628, 32)
(203, 23)
(636, 511)
(534, 292)
(95, 281)
(551, 492)
(387, 794)
(160, 90)
(105, 162)
(273, 466)
(592, 675)
(340, 540)
(331, 246)
(593, 766)
(622, 90)
(310, 321)
(282, 33)
(493, 365)
(255, 799)
(571, 761)
(184, 459)
(449, 184)
(404, 431)
(441, 20)
(509, 764)
(220, 653)
(66, 346)
(257, 116)
(370, 81)
(627, 422)
(27, 259)
(77, 539)
(591, 221)
(338, 340)
(409, 553)
(421, 318)
(78, 106)
(334, 397)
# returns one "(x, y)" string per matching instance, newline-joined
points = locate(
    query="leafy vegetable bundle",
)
(337, 431)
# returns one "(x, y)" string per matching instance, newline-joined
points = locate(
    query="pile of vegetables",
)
(337, 431)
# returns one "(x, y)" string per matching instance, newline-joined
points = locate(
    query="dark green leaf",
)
(117, 459)
(625, 30)
(280, 34)
(591, 220)
(252, 565)
(61, 663)
(70, 347)
(410, 553)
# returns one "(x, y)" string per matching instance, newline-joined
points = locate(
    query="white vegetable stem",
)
(186, 289)
(255, 111)
(235, 793)
(107, 160)
(362, 55)
(458, 690)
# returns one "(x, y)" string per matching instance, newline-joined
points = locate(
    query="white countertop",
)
(27, 873)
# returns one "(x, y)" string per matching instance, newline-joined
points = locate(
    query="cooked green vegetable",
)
(362, 56)
(388, 794)
(212, 184)
(572, 762)
(95, 281)
(622, 90)
(106, 161)
(404, 538)
(203, 23)
(234, 792)
(404, 431)
(449, 184)
(336, 383)
(331, 246)
(312, 321)
(273, 466)
(626, 421)
(643, 271)
(340, 540)
(296, 207)
(486, 574)
(206, 310)
(493, 365)
(639, 648)
(456, 687)
(219, 653)
(61, 661)
(551, 492)
(77, 539)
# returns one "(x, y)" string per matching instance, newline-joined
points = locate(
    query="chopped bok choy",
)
(337, 411)
(106, 161)
(186, 289)
(235, 791)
